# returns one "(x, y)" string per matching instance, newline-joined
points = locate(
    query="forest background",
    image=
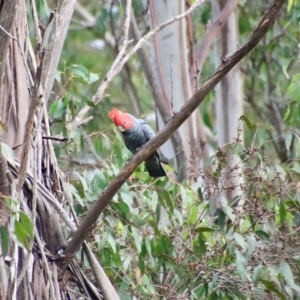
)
(223, 224)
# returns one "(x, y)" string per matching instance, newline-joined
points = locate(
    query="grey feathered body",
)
(134, 138)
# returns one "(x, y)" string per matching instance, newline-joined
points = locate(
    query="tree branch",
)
(36, 100)
(85, 226)
(116, 68)
(212, 32)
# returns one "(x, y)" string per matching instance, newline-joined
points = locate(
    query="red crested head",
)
(122, 120)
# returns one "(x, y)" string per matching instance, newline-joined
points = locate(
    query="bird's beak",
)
(121, 128)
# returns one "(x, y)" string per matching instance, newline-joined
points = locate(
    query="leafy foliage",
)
(157, 238)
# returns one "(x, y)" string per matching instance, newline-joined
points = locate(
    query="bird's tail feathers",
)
(162, 158)
(154, 168)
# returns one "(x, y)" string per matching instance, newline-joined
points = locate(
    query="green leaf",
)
(294, 84)
(251, 243)
(157, 247)
(126, 263)
(289, 292)
(24, 230)
(58, 76)
(66, 99)
(81, 72)
(57, 149)
(137, 238)
(154, 200)
(296, 168)
(73, 192)
(287, 113)
(262, 234)
(240, 240)
(118, 154)
(229, 212)
(271, 287)
(84, 183)
(112, 241)
(27, 224)
(148, 284)
(193, 214)
(202, 246)
(257, 272)
(8, 153)
(43, 8)
(285, 65)
(247, 121)
(288, 140)
(200, 194)
(178, 216)
(82, 99)
(57, 109)
(4, 235)
(282, 212)
(204, 229)
(93, 77)
(291, 3)
(287, 273)
(165, 199)
(106, 142)
(241, 264)
(183, 194)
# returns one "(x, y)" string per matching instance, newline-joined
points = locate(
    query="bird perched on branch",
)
(136, 133)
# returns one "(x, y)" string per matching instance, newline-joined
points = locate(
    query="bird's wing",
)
(147, 130)
(150, 134)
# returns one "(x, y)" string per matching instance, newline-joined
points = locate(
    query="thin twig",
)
(35, 101)
(213, 30)
(37, 31)
(22, 54)
(55, 138)
(197, 75)
(79, 120)
(126, 34)
(172, 88)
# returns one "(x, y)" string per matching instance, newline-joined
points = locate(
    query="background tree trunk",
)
(229, 99)
(170, 58)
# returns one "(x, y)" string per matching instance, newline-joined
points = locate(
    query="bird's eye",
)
(124, 122)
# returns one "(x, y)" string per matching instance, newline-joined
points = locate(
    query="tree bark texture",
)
(32, 273)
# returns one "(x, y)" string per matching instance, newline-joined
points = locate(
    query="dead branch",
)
(35, 101)
(83, 230)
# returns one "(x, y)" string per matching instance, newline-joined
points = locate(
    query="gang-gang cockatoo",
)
(136, 132)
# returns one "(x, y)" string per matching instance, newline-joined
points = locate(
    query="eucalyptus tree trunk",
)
(170, 60)
(229, 100)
